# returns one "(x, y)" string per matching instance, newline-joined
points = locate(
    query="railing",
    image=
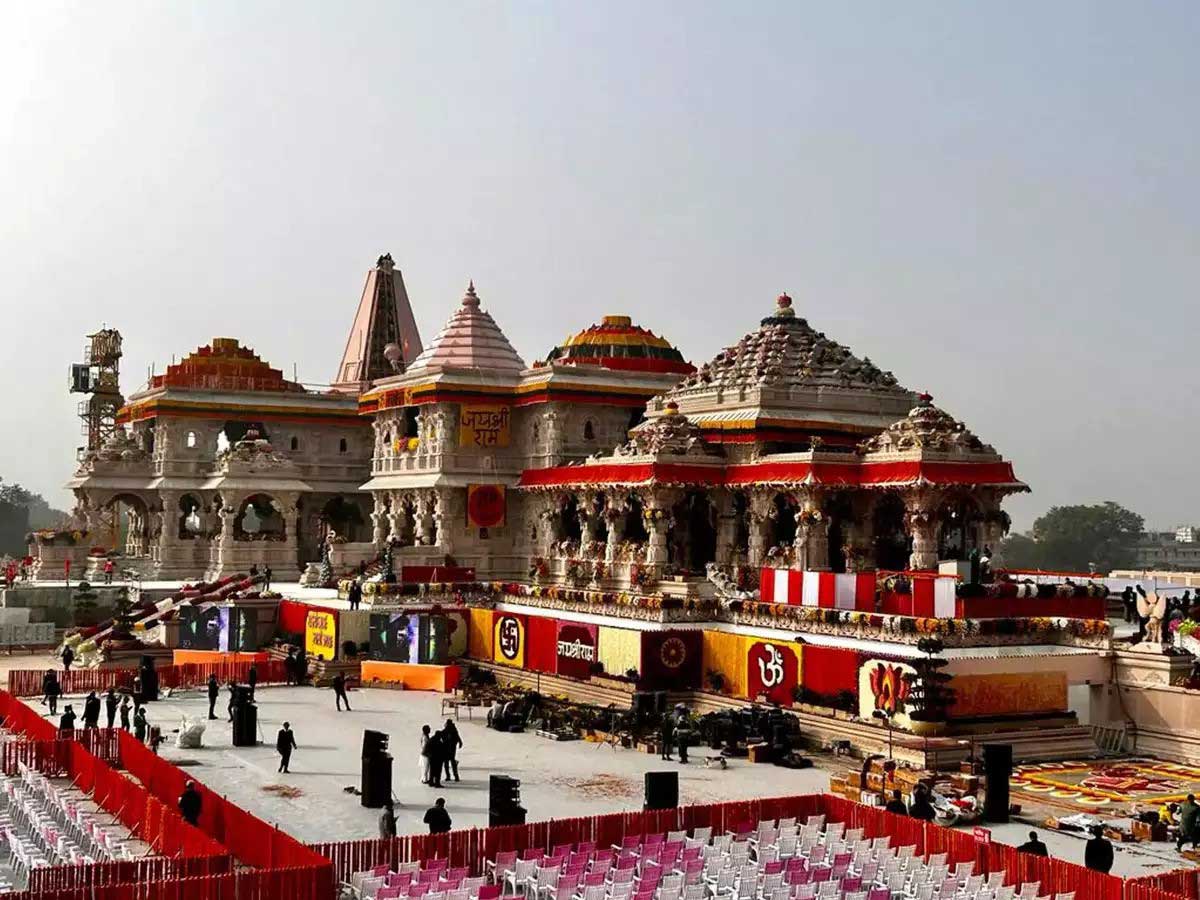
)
(28, 682)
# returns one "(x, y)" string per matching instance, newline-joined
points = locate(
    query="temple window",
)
(637, 417)
(411, 423)
(342, 446)
(190, 441)
(295, 444)
(589, 431)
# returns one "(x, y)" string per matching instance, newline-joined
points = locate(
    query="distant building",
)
(1168, 550)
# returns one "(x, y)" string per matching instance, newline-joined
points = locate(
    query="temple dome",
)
(471, 339)
(927, 427)
(787, 352)
(616, 343)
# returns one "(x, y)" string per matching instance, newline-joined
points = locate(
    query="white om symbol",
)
(770, 667)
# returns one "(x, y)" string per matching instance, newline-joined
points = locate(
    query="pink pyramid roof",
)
(471, 339)
(384, 317)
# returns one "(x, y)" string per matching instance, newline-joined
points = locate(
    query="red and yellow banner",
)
(508, 639)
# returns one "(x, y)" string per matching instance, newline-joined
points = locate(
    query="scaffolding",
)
(98, 375)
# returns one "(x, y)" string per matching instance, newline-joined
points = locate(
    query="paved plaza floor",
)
(559, 779)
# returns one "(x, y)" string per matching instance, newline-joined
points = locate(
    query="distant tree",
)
(20, 511)
(1072, 538)
(1020, 551)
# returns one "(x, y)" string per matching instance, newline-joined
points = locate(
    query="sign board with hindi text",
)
(483, 426)
(320, 634)
(982, 835)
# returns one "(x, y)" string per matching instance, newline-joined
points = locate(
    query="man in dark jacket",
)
(110, 706)
(1098, 854)
(285, 743)
(339, 692)
(91, 711)
(354, 594)
(1034, 846)
(1188, 814)
(214, 692)
(189, 803)
(66, 722)
(252, 678)
(921, 808)
(68, 657)
(51, 689)
(437, 818)
(451, 741)
(437, 757)
(896, 804)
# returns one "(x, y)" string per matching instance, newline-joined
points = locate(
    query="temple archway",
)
(131, 513)
(692, 544)
(190, 517)
(259, 519)
(635, 522)
(893, 544)
(958, 532)
(346, 519)
(840, 515)
(783, 522)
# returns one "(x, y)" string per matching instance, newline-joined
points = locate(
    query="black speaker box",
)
(662, 790)
(245, 725)
(376, 782)
(374, 742)
(997, 768)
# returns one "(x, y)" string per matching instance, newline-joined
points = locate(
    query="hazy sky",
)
(998, 202)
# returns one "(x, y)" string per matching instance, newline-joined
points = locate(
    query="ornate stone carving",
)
(926, 427)
(671, 433)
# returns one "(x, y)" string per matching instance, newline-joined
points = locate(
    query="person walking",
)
(125, 706)
(140, 725)
(110, 706)
(387, 820)
(285, 743)
(214, 693)
(1098, 854)
(67, 721)
(665, 733)
(289, 667)
(190, 802)
(449, 743)
(1188, 814)
(68, 657)
(108, 571)
(1035, 846)
(354, 595)
(267, 578)
(437, 818)
(51, 690)
(252, 678)
(424, 757)
(91, 711)
(339, 691)
(232, 699)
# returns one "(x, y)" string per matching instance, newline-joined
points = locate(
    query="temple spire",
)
(383, 323)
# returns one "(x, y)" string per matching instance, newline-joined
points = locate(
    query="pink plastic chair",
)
(490, 892)
(399, 879)
(586, 847)
(879, 893)
(854, 883)
(653, 840)
(436, 865)
(773, 868)
(532, 853)
(821, 873)
(388, 893)
(594, 879)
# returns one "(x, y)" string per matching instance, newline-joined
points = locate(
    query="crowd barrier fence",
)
(28, 682)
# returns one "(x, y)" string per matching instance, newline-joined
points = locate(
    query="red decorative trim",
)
(848, 474)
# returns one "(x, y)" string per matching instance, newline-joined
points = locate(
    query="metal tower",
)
(99, 375)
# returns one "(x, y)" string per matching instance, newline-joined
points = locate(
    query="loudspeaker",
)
(374, 742)
(662, 790)
(997, 768)
(245, 725)
(504, 801)
(376, 784)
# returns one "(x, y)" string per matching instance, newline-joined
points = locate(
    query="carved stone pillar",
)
(589, 517)
(761, 507)
(811, 545)
(227, 515)
(379, 520)
(726, 528)
(858, 535)
(396, 518)
(920, 520)
(616, 510)
(424, 518)
(659, 519)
